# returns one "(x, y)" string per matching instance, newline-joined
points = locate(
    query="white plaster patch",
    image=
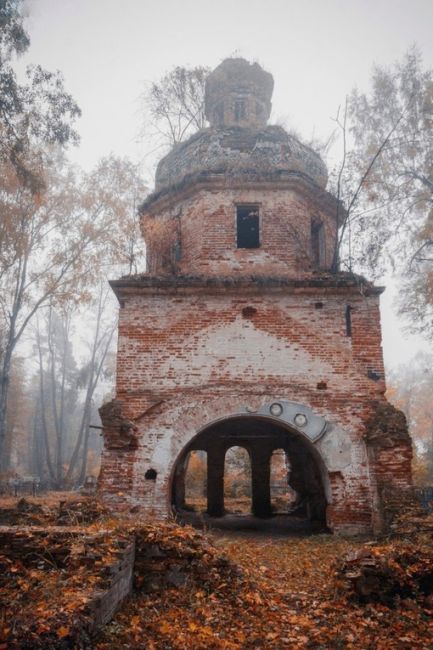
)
(239, 349)
(335, 448)
(162, 454)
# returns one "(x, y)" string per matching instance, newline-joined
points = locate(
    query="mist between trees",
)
(58, 312)
(63, 231)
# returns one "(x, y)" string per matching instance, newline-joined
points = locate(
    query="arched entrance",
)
(260, 436)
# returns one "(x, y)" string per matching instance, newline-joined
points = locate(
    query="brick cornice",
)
(159, 201)
(325, 283)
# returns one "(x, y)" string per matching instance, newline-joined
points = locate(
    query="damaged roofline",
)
(251, 284)
(246, 179)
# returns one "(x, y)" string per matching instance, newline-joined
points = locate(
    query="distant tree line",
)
(61, 232)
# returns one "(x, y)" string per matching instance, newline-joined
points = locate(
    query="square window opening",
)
(248, 226)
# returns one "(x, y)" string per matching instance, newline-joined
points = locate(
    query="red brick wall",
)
(188, 357)
(171, 341)
(207, 234)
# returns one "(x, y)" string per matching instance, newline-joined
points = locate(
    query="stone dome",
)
(239, 142)
(236, 151)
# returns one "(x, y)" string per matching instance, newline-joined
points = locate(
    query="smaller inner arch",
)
(195, 481)
(251, 468)
(237, 481)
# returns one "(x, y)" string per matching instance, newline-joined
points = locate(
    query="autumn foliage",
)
(214, 591)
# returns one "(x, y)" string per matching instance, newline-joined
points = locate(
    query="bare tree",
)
(33, 114)
(54, 245)
(67, 387)
(386, 176)
(175, 104)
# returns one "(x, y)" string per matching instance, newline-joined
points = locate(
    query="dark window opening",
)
(219, 113)
(317, 242)
(249, 312)
(349, 320)
(318, 305)
(247, 221)
(151, 475)
(240, 110)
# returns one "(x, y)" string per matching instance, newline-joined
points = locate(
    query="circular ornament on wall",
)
(276, 409)
(300, 420)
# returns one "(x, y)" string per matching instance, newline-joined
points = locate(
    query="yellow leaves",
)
(253, 597)
(284, 598)
(63, 631)
(165, 627)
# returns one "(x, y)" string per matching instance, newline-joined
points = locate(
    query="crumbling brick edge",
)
(102, 603)
(105, 603)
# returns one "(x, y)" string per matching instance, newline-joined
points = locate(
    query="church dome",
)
(239, 143)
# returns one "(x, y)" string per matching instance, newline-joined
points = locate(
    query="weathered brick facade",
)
(221, 344)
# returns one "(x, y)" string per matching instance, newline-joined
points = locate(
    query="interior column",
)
(261, 476)
(179, 484)
(215, 480)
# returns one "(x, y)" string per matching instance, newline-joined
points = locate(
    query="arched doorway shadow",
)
(261, 437)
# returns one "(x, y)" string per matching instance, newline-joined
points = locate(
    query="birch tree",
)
(55, 245)
(386, 182)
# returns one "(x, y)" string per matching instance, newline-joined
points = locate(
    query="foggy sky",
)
(317, 51)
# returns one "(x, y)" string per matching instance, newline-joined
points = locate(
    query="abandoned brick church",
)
(240, 335)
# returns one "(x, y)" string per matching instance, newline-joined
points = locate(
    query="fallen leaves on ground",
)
(215, 591)
(287, 596)
(64, 509)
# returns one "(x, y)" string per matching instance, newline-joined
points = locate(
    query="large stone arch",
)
(179, 426)
(140, 454)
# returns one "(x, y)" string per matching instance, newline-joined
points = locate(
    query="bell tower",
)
(239, 333)
(238, 93)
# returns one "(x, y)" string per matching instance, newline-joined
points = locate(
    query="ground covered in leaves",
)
(218, 591)
(289, 595)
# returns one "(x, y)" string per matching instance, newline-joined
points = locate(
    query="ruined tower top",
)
(238, 93)
(239, 142)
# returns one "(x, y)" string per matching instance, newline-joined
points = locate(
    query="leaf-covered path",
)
(288, 597)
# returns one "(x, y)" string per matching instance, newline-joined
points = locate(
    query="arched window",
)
(317, 242)
(237, 481)
(349, 320)
(219, 113)
(240, 110)
(196, 481)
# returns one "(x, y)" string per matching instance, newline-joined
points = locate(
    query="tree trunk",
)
(4, 391)
(42, 407)
(83, 469)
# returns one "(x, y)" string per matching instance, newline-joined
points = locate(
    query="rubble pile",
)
(168, 555)
(387, 574)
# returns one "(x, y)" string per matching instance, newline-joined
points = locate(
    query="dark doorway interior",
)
(250, 470)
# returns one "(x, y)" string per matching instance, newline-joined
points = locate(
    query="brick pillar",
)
(179, 484)
(261, 475)
(215, 480)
